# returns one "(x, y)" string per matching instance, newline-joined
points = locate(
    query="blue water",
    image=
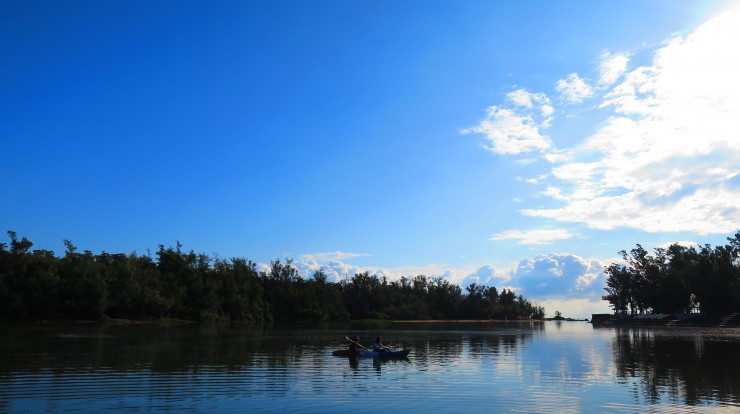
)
(453, 367)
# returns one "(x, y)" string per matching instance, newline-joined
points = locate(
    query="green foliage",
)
(430, 298)
(676, 279)
(192, 286)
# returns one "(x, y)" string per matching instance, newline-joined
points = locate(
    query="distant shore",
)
(112, 321)
(454, 320)
(174, 321)
(712, 320)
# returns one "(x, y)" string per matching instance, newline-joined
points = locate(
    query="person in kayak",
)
(353, 344)
(378, 346)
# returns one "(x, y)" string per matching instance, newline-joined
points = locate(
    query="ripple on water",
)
(471, 368)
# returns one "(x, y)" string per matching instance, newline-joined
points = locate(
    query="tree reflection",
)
(439, 343)
(156, 348)
(692, 369)
(51, 361)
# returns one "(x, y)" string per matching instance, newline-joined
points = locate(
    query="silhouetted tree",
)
(188, 285)
(676, 279)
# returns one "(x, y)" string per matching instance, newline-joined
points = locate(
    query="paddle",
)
(357, 343)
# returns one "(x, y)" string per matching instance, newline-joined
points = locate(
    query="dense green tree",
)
(187, 285)
(619, 289)
(676, 279)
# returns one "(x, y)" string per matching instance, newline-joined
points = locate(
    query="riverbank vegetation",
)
(677, 279)
(36, 284)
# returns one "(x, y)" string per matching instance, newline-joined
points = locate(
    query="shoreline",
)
(454, 320)
(112, 321)
(708, 320)
(174, 321)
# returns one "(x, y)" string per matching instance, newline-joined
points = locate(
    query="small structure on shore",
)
(559, 317)
(720, 320)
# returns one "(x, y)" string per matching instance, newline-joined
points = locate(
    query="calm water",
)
(486, 367)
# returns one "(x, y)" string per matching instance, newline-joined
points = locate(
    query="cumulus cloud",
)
(511, 133)
(452, 274)
(334, 270)
(575, 308)
(573, 88)
(561, 275)
(612, 66)
(337, 270)
(542, 236)
(684, 243)
(263, 267)
(529, 100)
(667, 156)
(516, 128)
(486, 275)
(558, 281)
(521, 97)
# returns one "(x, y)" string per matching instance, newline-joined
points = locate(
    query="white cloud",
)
(529, 100)
(517, 129)
(549, 280)
(263, 267)
(331, 256)
(684, 243)
(463, 276)
(486, 275)
(555, 193)
(573, 88)
(510, 132)
(612, 66)
(547, 110)
(526, 161)
(336, 270)
(558, 155)
(575, 308)
(561, 275)
(543, 236)
(521, 97)
(451, 273)
(667, 156)
(533, 180)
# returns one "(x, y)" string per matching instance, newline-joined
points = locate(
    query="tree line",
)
(36, 284)
(676, 279)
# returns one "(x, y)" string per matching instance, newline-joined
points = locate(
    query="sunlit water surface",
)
(460, 367)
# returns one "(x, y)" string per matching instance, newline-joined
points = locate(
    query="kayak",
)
(388, 354)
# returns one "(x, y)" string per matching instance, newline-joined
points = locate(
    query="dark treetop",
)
(677, 279)
(35, 284)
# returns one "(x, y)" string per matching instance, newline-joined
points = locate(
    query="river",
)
(453, 367)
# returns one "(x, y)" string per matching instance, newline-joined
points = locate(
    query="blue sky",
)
(518, 144)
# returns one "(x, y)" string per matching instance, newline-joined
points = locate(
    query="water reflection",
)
(687, 366)
(439, 343)
(354, 362)
(164, 360)
(161, 349)
(526, 367)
